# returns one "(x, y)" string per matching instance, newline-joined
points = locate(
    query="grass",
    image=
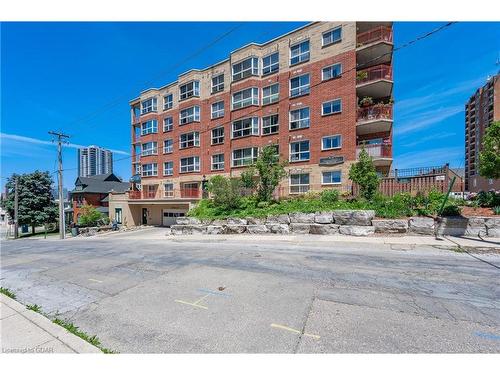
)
(34, 308)
(7, 292)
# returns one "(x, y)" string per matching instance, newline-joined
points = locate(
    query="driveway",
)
(143, 292)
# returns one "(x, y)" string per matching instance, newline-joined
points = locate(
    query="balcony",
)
(160, 194)
(374, 119)
(381, 153)
(375, 81)
(374, 46)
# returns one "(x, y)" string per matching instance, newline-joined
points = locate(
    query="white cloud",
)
(426, 119)
(437, 156)
(431, 137)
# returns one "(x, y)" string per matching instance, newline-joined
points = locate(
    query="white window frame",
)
(219, 86)
(269, 127)
(192, 92)
(169, 127)
(168, 101)
(330, 68)
(194, 166)
(301, 120)
(271, 98)
(217, 165)
(302, 89)
(145, 172)
(168, 171)
(331, 103)
(147, 107)
(300, 152)
(331, 172)
(302, 187)
(243, 102)
(251, 128)
(338, 136)
(272, 67)
(218, 112)
(152, 150)
(253, 69)
(217, 137)
(243, 161)
(168, 192)
(331, 31)
(301, 56)
(170, 148)
(150, 128)
(189, 118)
(192, 139)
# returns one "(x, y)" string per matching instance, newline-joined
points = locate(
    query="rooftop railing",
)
(381, 33)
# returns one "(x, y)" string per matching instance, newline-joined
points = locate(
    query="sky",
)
(78, 78)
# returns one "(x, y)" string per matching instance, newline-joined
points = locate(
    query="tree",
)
(363, 173)
(36, 203)
(90, 216)
(226, 192)
(489, 156)
(266, 174)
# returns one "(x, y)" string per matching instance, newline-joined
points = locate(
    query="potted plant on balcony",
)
(366, 101)
(361, 75)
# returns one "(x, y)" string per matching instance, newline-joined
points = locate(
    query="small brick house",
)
(94, 191)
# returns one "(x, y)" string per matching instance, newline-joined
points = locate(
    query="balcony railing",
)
(374, 73)
(162, 194)
(376, 151)
(375, 112)
(378, 34)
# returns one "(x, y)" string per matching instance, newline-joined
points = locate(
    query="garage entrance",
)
(169, 215)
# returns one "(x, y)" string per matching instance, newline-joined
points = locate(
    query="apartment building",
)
(319, 94)
(94, 160)
(481, 110)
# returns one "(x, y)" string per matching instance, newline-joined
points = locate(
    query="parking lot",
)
(143, 292)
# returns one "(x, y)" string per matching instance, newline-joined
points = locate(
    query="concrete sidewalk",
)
(25, 331)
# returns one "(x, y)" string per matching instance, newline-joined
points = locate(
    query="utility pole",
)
(16, 208)
(62, 224)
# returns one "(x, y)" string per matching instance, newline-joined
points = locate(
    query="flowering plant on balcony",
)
(366, 101)
(361, 75)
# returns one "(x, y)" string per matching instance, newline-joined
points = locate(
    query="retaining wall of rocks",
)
(348, 222)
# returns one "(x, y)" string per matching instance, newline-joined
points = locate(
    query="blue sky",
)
(78, 78)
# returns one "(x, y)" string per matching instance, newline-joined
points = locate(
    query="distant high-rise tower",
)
(94, 160)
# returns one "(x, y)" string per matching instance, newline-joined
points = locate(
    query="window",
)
(218, 162)
(149, 148)
(329, 108)
(299, 53)
(168, 124)
(149, 105)
(332, 36)
(331, 142)
(270, 124)
(118, 215)
(149, 169)
(246, 68)
(189, 90)
(244, 156)
(168, 101)
(217, 83)
(271, 94)
(271, 64)
(332, 71)
(299, 85)
(299, 118)
(189, 140)
(218, 136)
(168, 146)
(168, 168)
(246, 127)
(149, 127)
(246, 97)
(218, 109)
(299, 151)
(331, 177)
(299, 183)
(188, 115)
(191, 164)
(169, 189)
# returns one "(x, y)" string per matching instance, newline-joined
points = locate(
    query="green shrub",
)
(451, 210)
(364, 174)
(90, 217)
(329, 196)
(226, 192)
(488, 198)
(496, 210)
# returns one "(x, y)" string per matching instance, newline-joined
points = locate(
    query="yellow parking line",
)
(294, 330)
(191, 304)
(201, 299)
(97, 281)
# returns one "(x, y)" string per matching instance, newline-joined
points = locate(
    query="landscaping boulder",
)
(176, 229)
(279, 228)
(323, 218)
(324, 229)
(356, 230)
(353, 217)
(492, 227)
(236, 221)
(234, 229)
(168, 231)
(257, 229)
(256, 220)
(206, 221)
(476, 226)
(421, 225)
(390, 225)
(219, 222)
(185, 220)
(300, 217)
(214, 229)
(278, 219)
(301, 228)
(452, 226)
